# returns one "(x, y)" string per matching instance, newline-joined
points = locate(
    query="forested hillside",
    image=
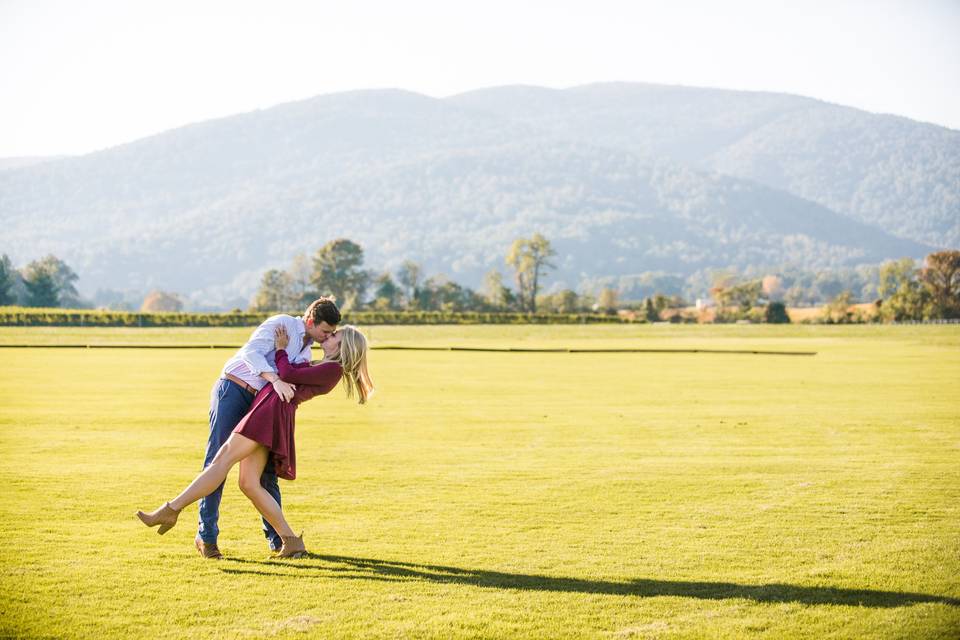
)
(624, 179)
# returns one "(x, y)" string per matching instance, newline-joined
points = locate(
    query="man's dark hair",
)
(323, 309)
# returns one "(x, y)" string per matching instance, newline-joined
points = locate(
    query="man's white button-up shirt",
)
(258, 354)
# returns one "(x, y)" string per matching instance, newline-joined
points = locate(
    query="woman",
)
(265, 435)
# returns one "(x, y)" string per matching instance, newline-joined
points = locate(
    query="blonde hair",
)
(353, 360)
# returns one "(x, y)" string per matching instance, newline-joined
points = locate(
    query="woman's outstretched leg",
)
(251, 468)
(236, 448)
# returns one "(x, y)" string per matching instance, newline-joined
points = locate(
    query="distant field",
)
(502, 495)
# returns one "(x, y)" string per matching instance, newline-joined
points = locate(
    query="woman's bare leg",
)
(251, 468)
(236, 448)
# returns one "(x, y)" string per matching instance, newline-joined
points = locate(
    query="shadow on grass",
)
(349, 568)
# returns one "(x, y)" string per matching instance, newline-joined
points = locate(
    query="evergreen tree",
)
(41, 288)
(63, 279)
(387, 294)
(337, 271)
(650, 311)
(8, 281)
(776, 313)
(49, 283)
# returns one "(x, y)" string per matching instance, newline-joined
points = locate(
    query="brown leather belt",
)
(238, 381)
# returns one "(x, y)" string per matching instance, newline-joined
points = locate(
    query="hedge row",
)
(30, 317)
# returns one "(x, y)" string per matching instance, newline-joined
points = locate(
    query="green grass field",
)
(502, 495)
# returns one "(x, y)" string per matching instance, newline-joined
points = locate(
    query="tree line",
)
(23, 316)
(47, 282)
(906, 291)
(337, 269)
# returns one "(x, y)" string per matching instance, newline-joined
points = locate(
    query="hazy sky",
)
(76, 76)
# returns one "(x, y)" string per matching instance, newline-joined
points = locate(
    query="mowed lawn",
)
(501, 495)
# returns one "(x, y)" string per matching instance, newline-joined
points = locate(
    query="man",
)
(248, 371)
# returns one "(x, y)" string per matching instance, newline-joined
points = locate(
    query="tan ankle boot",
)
(292, 547)
(165, 516)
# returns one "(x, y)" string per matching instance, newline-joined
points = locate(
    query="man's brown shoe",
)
(209, 551)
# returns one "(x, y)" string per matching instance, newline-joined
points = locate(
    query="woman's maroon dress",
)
(270, 420)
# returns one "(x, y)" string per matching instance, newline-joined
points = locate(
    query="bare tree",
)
(300, 272)
(607, 300)
(530, 258)
(497, 295)
(409, 276)
(276, 293)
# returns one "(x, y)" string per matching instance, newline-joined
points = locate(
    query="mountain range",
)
(622, 178)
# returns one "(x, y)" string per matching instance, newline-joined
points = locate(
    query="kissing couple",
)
(253, 408)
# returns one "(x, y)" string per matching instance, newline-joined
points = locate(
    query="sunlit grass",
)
(503, 495)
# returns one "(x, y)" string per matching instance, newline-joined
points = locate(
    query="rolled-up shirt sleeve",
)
(254, 352)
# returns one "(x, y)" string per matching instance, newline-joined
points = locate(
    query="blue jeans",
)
(229, 402)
